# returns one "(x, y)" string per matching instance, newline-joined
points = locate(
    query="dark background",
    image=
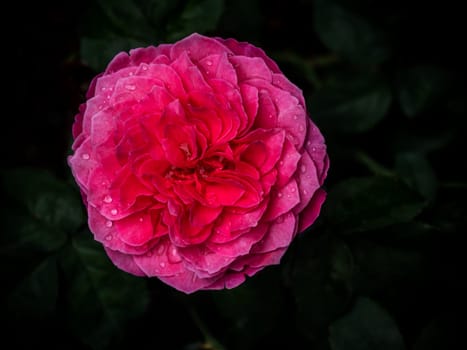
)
(382, 268)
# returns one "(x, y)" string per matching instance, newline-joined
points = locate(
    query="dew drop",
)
(313, 149)
(292, 189)
(301, 128)
(173, 256)
(85, 156)
(303, 169)
(209, 63)
(162, 264)
(295, 117)
(281, 163)
(279, 195)
(130, 87)
(308, 143)
(109, 223)
(160, 249)
(114, 211)
(103, 88)
(108, 237)
(140, 219)
(131, 73)
(305, 192)
(149, 253)
(108, 199)
(270, 116)
(100, 106)
(144, 67)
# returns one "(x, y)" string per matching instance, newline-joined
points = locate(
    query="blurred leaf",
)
(366, 327)
(100, 297)
(35, 297)
(252, 309)
(367, 203)
(381, 267)
(418, 173)
(352, 104)
(39, 211)
(129, 17)
(321, 282)
(420, 87)
(197, 16)
(97, 53)
(349, 34)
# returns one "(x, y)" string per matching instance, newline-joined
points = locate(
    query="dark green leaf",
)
(252, 309)
(362, 204)
(36, 295)
(420, 87)
(382, 268)
(366, 327)
(39, 211)
(321, 282)
(351, 105)
(197, 16)
(97, 53)
(128, 18)
(349, 34)
(100, 297)
(418, 173)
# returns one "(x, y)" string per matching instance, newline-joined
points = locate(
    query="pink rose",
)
(197, 162)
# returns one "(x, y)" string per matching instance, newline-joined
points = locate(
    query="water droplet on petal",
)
(279, 195)
(108, 237)
(292, 189)
(270, 116)
(301, 128)
(144, 67)
(209, 63)
(281, 163)
(305, 192)
(130, 87)
(308, 143)
(109, 223)
(100, 106)
(131, 73)
(85, 156)
(108, 199)
(140, 219)
(162, 264)
(173, 256)
(313, 149)
(160, 249)
(149, 253)
(303, 169)
(295, 117)
(103, 88)
(114, 211)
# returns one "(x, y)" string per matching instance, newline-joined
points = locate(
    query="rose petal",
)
(311, 212)
(124, 262)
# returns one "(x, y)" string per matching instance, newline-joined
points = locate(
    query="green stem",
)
(372, 165)
(211, 343)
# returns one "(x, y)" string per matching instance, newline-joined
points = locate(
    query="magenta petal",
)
(250, 68)
(187, 281)
(311, 212)
(241, 245)
(124, 262)
(204, 262)
(218, 67)
(279, 235)
(121, 60)
(136, 229)
(198, 47)
(229, 280)
(307, 180)
(157, 261)
(283, 200)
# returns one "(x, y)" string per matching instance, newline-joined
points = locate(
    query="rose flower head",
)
(197, 162)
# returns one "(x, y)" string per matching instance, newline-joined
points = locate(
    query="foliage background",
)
(382, 268)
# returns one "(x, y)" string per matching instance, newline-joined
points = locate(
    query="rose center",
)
(202, 169)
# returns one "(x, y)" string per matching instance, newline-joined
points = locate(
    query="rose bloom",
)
(197, 162)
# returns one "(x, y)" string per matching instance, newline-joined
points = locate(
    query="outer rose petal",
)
(197, 162)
